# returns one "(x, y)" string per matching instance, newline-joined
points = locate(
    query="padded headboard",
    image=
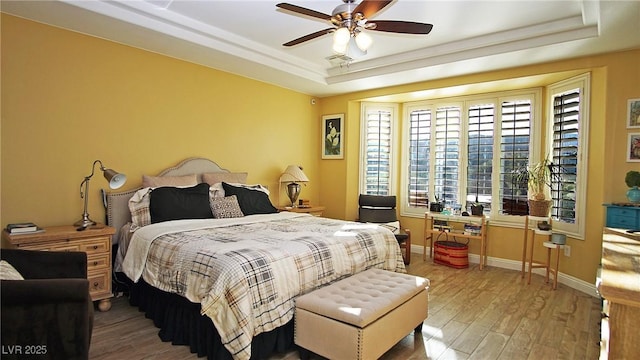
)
(117, 203)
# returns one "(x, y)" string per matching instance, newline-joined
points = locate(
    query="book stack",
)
(23, 228)
(472, 229)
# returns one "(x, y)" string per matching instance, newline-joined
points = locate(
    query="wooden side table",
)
(431, 233)
(550, 268)
(95, 241)
(313, 210)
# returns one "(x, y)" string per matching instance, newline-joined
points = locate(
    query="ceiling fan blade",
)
(404, 27)
(368, 8)
(309, 37)
(304, 11)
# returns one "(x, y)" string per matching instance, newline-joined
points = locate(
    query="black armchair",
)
(50, 313)
(382, 209)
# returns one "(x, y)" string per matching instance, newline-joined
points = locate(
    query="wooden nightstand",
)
(95, 241)
(313, 210)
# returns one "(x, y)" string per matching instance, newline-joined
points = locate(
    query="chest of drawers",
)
(623, 217)
(95, 242)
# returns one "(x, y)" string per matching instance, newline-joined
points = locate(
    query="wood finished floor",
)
(489, 314)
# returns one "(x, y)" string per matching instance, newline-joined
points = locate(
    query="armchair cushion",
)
(51, 310)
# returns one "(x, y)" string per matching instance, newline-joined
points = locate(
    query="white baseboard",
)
(570, 281)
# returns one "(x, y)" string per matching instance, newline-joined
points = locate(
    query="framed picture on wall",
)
(333, 136)
(633, 148)
(633, 113)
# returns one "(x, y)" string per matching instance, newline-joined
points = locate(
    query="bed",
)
(225, 283)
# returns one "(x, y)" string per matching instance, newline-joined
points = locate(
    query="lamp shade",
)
(115, 179)
(363, 40)
(293, 173)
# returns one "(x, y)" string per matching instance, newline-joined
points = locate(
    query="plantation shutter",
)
(566, 127)
(480, 154)
(419, 158)
(378, 153)
(514, 154)
(447, 154)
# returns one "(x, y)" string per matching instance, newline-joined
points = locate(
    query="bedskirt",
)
(181, 323)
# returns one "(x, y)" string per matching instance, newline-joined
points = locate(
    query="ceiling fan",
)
(350, 19)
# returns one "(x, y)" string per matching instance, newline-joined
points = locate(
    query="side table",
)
(550, 269)
(313, 210)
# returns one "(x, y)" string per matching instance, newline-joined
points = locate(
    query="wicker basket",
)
(539, 207)
(451, 253)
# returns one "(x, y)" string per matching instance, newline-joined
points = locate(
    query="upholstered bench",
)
(362, 316)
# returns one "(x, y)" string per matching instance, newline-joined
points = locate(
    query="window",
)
(419, 158)
(466, 149)
(447, 155)
(480, 154)
(567, 130)
(515, 128)
(467, 152)
(376, 165)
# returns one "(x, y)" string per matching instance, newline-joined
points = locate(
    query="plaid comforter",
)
(246, 272)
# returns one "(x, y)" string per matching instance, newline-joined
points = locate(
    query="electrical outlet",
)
(567, 250)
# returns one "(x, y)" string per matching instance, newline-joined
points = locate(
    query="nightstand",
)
(95, 241)
(313, 210)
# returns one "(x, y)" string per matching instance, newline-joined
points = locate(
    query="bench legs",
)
(418, 328)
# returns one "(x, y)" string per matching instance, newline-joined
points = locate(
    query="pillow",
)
(8, 272)
(215, 178)
(226, 207)
(139, 208)
(217, 190)
(157, 181)
(173, 203)
(251, 201)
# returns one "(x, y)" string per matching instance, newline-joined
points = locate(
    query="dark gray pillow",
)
(251, 201)
(173, 203)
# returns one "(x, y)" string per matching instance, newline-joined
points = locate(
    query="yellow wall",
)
(68, 99)
(614, 79)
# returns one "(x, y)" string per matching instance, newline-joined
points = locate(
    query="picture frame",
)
(333, 136)
(633, 114)
(633, 148)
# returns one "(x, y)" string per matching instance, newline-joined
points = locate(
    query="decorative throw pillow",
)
(252, 201)
(139, 207)
(172, 203)
(8, 272)
(226, 207)
(215, 178)
(177, 181)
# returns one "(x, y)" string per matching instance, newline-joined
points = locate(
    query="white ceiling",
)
(245, 37)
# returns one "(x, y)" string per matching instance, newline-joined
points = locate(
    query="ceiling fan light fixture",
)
(341, 36)
(340, 48)
(363, 40)
(354, 51)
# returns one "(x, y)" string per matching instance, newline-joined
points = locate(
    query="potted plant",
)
(538, 178)
(632, 179)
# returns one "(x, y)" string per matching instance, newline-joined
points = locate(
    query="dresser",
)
(623, 216)
(619, 286)
(95, 241)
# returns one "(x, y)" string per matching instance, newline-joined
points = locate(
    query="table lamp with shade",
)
(293, 175)
(115, 179)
